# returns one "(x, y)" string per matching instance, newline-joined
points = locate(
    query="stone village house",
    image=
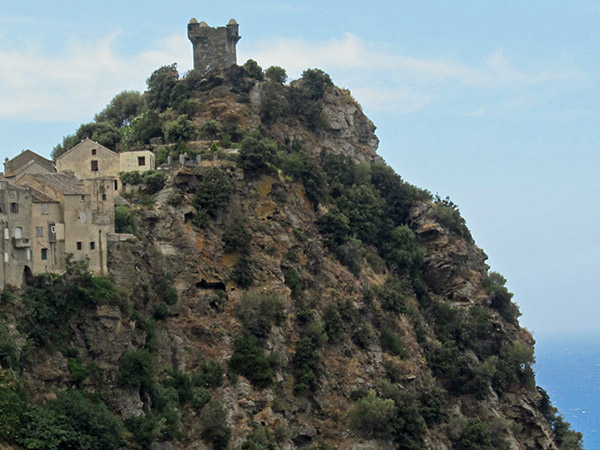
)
(45, 215)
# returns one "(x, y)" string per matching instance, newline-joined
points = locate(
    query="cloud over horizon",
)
(80, 78)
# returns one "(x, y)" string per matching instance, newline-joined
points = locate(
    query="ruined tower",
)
(213, 47)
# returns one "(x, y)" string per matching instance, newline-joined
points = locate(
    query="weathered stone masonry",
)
(213, 47)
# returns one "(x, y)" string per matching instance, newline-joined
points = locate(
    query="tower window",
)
(44, 253)
(14, 208)
(79, 245)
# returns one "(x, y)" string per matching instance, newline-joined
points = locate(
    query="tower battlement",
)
(213, 47)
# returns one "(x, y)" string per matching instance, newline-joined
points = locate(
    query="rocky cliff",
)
(288, 291)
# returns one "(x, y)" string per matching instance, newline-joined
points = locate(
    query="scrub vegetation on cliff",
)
(286, 290)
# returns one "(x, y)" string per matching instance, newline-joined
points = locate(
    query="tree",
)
(180, 130)
(104, 133)
(374, 416)
(160, 86)
(254, 70)
(122, 109)
(256, 153)
(276, 74)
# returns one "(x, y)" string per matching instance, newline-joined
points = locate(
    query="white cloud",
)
(401, 82)
(79, 80)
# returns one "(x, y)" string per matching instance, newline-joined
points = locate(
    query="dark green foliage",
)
(49, 307)
(131, 178)
(304, 167)
(514, 366)
(142, 128)
(210, 129)
(242, 272)
(447, 214)
(122, 109)
(391, 343)
(293, 281)
(566, 438)
(137, 369)
(259, 439)
(391, 296)
(236, 238)
(259, 310)
(433, 403)
(249, 359)
(373, 416)
(161, 312)
(363, 207)
(180, 130)
(315, 82)
(160, 87)
(13, 406)
(273, 103)
(165, 290)
(500, 298)
(475, 435)
(334, 227)
(401, 251)
(210, 375)
(256, 154)
(123, 220)
(71, 421)
(253, 70)
(307, 365)
(76, 370)
(153, 181)
(334, 326)
(214, 192)
(9, 352)
(276, 74)
(350, 254)
(213, 423)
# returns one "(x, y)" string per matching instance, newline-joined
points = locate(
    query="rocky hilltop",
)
(286, 289)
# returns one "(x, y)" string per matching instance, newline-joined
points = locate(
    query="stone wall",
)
(213, 47)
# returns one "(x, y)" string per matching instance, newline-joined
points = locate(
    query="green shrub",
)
(447, 214)
(249, 359)
(373, 416)
(307, 362)
(259, 439)
(210, 129)
(160, 87)
(180, 130)
(391, 343)
(132, 178)
(293, 281)
(391, 296)
(242, 272)
(401, 251)
(236, 238)
(200, 397)
(259, 310)
(9, 352)
(210, 375)
(153, 181)
(137, 369)
(76, 370)
(213, 425)
(214, 192)
(276, 74)
(334, 326)
(256, 154)
(161, 312)
(500, 297)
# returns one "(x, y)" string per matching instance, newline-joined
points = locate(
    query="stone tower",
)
(213, 47)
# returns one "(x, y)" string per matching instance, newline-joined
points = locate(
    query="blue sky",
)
(494, 103)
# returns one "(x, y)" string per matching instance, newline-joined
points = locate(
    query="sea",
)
(568, 368)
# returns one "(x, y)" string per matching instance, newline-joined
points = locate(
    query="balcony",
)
(21, 243)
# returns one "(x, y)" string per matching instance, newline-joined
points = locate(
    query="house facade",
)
(141, 160)
(15, 245)
(89, 160)
(70, 216)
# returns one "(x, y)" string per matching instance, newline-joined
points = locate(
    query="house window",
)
(14, 208)
(6, 233)
(83, 198)
(92, 245)
(115, 184)
(93, 152)
(79, 245)
(18, 233)
(141, 160)
(28, 254)
(82, 216)
(39, 231)
(5, 257)
(44, 208)
(94, 165)
(103, 197)
(44, 253)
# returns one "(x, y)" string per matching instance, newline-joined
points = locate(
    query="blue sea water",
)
(568, 368)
